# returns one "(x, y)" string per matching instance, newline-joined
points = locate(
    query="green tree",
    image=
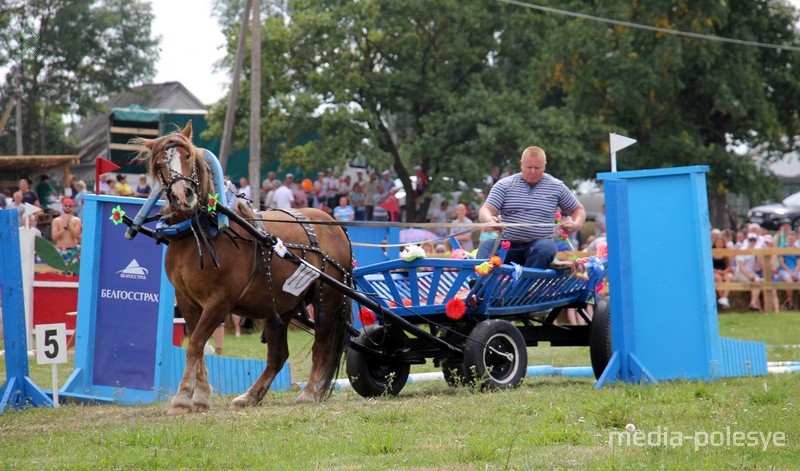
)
(400, 83)
(686, 100)
(84, 51)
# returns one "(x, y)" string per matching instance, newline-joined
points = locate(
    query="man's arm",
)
(75, 225)
(578, 216)
(57, 229)
(488, 213)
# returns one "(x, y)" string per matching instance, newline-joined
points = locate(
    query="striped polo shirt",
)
(519, 202)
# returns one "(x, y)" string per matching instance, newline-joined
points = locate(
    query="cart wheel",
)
(495, 355)
(375, 376)
(600, 337)
(454, 373)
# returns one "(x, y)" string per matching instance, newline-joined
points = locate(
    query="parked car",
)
(771, 216)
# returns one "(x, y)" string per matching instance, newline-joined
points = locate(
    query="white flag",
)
(619, 142)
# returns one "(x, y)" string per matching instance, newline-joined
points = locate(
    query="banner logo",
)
(134, 271)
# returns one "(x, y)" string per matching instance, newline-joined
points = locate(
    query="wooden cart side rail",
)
(427, 285)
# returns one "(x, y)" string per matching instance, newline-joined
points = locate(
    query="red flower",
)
(366, 316)
(505, 245)
(455, 308)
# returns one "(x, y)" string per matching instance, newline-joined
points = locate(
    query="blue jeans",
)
(538, 253)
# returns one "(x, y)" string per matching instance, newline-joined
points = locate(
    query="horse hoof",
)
(179, 405)
(243, 401)
(178, 410)
(202, 407)
(305, 397)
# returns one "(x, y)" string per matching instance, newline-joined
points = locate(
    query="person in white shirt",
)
(244, 188)
(283, 197)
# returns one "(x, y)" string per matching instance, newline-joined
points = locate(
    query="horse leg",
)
(327, 348)
(277, 354)
(194, 390)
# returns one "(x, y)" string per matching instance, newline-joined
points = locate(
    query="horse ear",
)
(147, 143)
(187, 131)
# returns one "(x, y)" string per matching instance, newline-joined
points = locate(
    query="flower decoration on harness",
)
(279, 248)
(117, 214)
(505, 245)
(212, 201)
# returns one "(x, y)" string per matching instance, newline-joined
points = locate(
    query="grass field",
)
(548, 422)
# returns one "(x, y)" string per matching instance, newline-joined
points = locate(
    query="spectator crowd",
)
(753, 268)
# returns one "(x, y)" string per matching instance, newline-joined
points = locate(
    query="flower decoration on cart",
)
(366, 316)
(412, 252)
(455, 308)
(589, 268)
(486, 267)
(560, 232)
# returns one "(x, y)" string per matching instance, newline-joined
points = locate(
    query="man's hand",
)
(489, 215)
(498, 225)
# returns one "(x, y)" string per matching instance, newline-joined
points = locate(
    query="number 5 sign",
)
(51, 343)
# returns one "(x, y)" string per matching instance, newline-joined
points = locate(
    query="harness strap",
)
(253, 272)
(312, 236)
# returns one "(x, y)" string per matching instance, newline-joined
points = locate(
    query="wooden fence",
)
(765, 256)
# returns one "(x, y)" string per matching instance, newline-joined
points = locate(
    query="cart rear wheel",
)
(495, 355)
(600, 337)
(454, 373)
(376, 375)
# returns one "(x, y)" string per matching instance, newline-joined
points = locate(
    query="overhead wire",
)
(629, 24)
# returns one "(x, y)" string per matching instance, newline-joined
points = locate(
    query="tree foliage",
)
(84, 52)
(459, 86)
(687, 100)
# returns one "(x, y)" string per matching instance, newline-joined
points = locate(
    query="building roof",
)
(93, 135)
(35, 164)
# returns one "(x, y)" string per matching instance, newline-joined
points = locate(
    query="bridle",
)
(171, 153)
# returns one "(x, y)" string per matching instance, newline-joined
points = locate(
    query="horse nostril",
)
(189, 193)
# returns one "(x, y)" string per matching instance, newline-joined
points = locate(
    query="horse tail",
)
(339, 333)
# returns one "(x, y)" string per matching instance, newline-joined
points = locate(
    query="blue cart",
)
(476, 327)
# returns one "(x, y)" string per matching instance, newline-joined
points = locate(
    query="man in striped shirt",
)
(530, 197)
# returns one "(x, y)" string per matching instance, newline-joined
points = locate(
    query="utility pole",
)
(255, 107)
(19, 110)
(227, 130)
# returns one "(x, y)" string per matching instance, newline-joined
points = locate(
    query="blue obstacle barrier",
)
(19, 390)
(664, 315)
(123, 336)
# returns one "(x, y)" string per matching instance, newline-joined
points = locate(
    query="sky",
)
(188, 53)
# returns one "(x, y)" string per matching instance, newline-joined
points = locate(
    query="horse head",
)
(179, 166)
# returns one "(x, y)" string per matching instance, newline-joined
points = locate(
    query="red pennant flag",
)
(102, 166)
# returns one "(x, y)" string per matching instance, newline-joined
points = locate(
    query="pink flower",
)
(602, 250)
(505, 245)
(458, 254)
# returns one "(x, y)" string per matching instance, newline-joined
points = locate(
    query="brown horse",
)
(245, 275)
